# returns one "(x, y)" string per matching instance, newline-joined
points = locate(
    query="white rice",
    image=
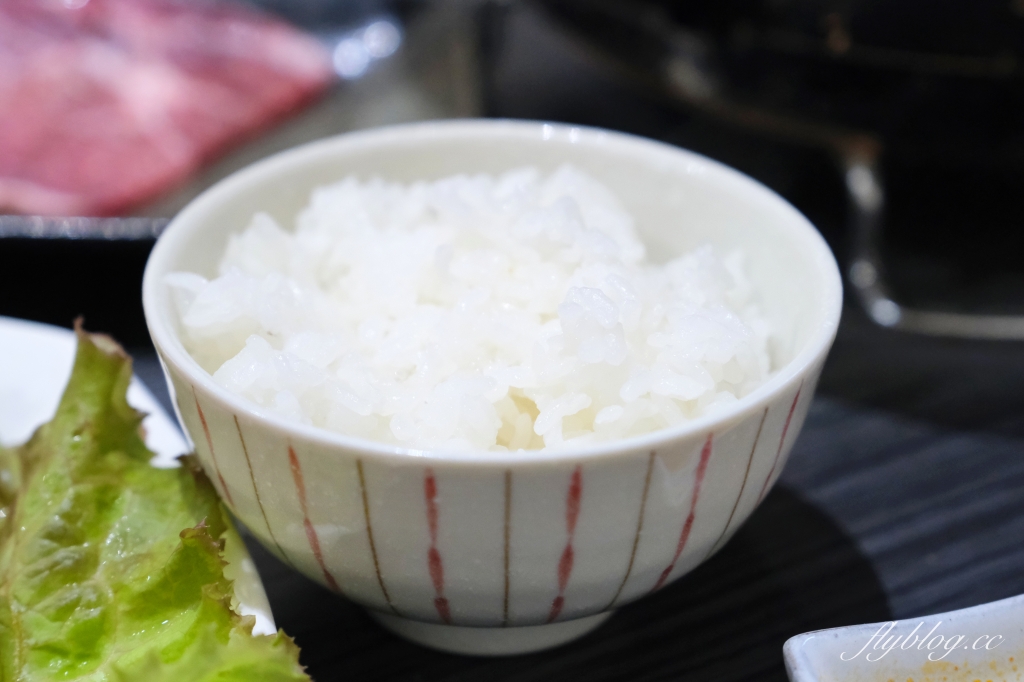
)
(473, 313)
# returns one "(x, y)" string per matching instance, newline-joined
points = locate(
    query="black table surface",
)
(902, 498)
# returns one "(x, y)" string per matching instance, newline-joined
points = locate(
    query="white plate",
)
(978, 643)
(35, 363)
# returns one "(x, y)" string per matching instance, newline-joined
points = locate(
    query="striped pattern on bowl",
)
(501, 545)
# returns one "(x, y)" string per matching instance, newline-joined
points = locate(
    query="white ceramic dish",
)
(979, 643)
(37, 360)
(495, 553)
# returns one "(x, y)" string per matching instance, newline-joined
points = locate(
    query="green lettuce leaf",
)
(98, 581)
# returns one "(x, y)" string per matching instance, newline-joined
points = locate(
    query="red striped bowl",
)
(497, 552)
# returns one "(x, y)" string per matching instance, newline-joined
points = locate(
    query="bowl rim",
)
(172, 351)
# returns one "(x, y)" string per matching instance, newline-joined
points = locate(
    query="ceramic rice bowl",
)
(497, 552)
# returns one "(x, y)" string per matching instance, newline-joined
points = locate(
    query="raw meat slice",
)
(106, 103)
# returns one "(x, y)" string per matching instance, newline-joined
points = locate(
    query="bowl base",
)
(489, 641)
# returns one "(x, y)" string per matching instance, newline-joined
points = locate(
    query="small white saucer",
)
(983, 642)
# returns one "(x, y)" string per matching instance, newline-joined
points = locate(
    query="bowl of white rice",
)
(491, 379)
